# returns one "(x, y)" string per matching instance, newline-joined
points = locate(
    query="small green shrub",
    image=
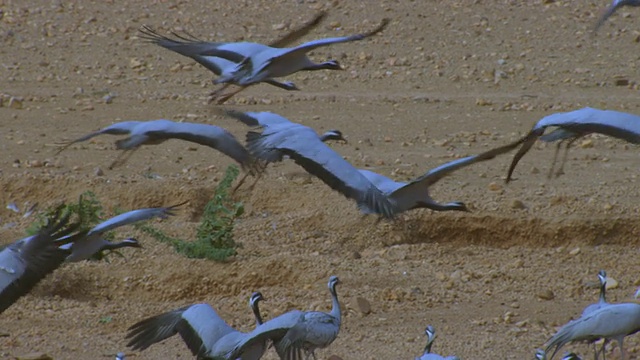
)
(88, 210)
(214, 236)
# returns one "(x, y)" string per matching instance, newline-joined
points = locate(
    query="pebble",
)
(363, 305)
(495, 186)
(546, 295)
(517, 204)
(15, 103)
(574, 252)
(586, 144)
(611, 283)
(98, 172)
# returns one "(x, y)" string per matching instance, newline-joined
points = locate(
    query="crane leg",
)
(566, 156)
(240, 183)
(555, 158)
(215, 93)
(258, 175)
(122, 158)
(223, 98)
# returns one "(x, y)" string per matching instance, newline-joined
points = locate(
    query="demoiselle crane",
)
(24, 263)
(297, 331)
(94, 242)
(192, 47)
(575, 124)
(155, 132)
(613, 322)
(602, 302)
(613, 7)
(304, 146)
(427, 354)
(274, 62)
(265, 119)
(206, 334)
(415, 194)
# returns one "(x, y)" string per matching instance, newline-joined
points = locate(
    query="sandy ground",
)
(445, 79)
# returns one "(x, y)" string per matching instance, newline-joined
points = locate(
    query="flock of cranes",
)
(272, 138)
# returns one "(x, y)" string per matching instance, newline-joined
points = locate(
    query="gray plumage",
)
(302, 144)
(614, 322)
(602, 302)
(236, 52)
(192, 47)
(27, 261)
(277, 62)
(415, 194)
(155, 132)
(206, 334)
(576, 124)
(297, 331)
(94, 242)
(274, 62)
(266, 119)
(427, 354)
(612, 8)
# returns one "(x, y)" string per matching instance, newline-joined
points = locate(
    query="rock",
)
(574, 252)
(611, 283)
(136, 63)
(334, 357)
(15, 103)
(98, 172)
(356, 255)
(441, 276)
(483, 102)
(363, 305)
(517, 204)
(495, 186)
(546, 295)
(622, 82)
(586, 144)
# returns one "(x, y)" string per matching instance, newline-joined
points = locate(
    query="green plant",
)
(88, 210)
(105, 319)
(214, 235)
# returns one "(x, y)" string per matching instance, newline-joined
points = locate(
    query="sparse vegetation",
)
(88, 210)
(214, 236)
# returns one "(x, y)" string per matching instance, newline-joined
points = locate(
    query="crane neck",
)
(603, 291)
(335, 309)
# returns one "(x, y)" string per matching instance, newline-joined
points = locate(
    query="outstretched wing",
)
(121, 128)
(212, 136)
(308, 46)
(436, 174)
(134, 216)
(28, 261)
(255, 119)
(303, 145)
